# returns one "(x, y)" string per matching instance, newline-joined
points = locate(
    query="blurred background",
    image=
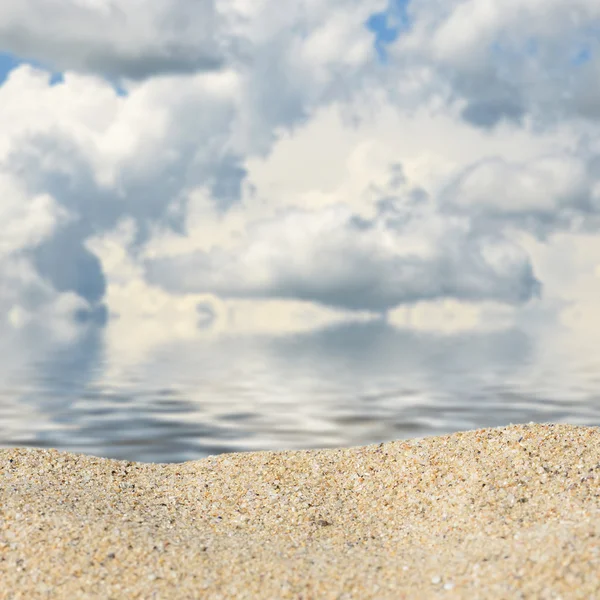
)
(232, 226)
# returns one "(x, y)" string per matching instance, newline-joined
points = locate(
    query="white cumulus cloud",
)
(337, 258)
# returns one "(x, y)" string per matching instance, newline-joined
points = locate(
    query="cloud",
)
(102, 157)
(27, 300)
(212, 88)
(26, 221)
(556, 192)
(505, 61)
(130, 39)
(80, 159)
(336, 258)
(29, 222)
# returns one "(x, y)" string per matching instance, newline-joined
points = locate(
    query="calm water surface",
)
(347, 385)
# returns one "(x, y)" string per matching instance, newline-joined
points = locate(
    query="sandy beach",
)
(511, 512)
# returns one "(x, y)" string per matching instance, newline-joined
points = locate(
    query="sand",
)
(512, 512)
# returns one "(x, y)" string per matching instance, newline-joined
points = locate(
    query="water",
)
(346, 385)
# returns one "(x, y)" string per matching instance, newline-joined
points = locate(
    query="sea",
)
(348, 384)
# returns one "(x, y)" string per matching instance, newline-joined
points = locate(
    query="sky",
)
(176, 169)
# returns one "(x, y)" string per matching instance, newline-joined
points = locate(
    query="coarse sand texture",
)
(512, 512)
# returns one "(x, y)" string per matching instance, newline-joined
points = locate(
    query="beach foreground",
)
(512, 512)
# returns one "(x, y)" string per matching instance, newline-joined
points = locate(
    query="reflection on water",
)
(348, 385)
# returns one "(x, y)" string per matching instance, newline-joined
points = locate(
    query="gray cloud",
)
(69, 266)
(116, 40)
(548, 194)
(406, 254)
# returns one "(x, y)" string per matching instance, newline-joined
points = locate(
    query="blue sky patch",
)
(582, 55)
(531, 47)
(120, 91)
(388, 25)
(9, 62)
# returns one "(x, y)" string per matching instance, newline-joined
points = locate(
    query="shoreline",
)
(505, 512)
